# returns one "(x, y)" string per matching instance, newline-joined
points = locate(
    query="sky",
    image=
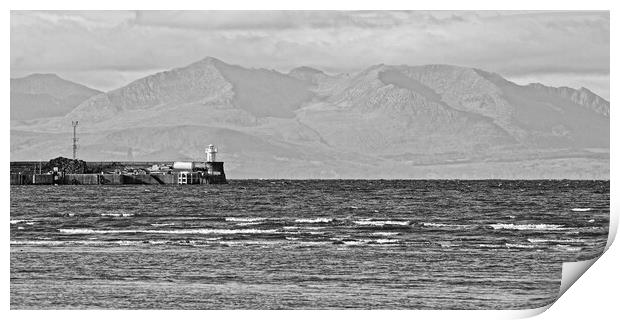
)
(108, 49)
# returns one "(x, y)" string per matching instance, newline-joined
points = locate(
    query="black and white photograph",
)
(305, 159)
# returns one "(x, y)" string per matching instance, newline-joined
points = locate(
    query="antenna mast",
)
(75, 139)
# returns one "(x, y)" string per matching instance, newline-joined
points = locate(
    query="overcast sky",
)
(106, 50)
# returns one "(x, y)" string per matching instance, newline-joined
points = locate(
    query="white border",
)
(595, 294)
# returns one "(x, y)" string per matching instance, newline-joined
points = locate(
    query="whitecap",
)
(528, 226)
(244, 219)
(484, 245)
(432, 224)
(381, 222)
(580, 209)
(176, 231)
(385, 241)
(385, 233)
(248, 223)
(446, 244)
(442, 225)
(568, 248)
(556, 240)
(36, 242)
(516, 245)
(21, 221)
(161, 224)
(316, 220)
(117, 214)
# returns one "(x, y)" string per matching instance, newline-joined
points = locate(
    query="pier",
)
(64, 171)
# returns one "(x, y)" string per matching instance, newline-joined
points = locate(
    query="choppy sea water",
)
(383, 244)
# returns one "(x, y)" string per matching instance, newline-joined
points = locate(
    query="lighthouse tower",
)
(211, 151)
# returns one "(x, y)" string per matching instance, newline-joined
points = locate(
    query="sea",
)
(302, 244)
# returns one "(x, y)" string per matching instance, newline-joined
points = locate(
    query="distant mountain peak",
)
(41, 95)
(209, 59)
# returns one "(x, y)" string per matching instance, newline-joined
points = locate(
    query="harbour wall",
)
(114, 179)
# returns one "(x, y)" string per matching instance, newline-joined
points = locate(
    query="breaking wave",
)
(485, 245)
(316, 220)
(117, 214)
(580, 209)
(385, 234)
(179, 231)
(516, 245)
(556, 240)
(368, 222)
(161, 224)
(568, 248)
(244, 219)
(29, 222)
(543, 226)
(443, 225)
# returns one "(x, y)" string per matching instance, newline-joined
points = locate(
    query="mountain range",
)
(46, 95)
(386, 121)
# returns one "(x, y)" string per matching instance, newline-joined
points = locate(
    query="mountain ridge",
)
(42, 95)
(393, 114)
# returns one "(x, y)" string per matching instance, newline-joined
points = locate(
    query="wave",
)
(36, 242)
(362, 242)
(65, 243)
(485, 245)
(446, 244)
(241, 224)
(381, 222)
(28, 222)
(443, 225)
(385, 241)
(117, 214)
(244, 219)
(557, 240)
(302, 228)
(316, 220)
(543, 226)
(580, 209)
(568, 248)
(178, 231)
(516, 245)
(161, 224)
(431, 224)
(385, 234)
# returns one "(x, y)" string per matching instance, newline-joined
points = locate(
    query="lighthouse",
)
(211, 151)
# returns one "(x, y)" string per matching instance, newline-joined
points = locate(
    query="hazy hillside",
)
(45, 95)
(384, 121)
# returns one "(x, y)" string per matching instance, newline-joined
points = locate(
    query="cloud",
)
(272, 20)
(97, 44)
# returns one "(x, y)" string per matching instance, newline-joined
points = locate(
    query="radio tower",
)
(75, 139)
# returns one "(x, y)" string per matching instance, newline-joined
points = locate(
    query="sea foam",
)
(542, 226)
(316, 220)
(178, 231)
(381, 222)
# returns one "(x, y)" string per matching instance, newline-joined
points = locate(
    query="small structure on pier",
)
(211, 151)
